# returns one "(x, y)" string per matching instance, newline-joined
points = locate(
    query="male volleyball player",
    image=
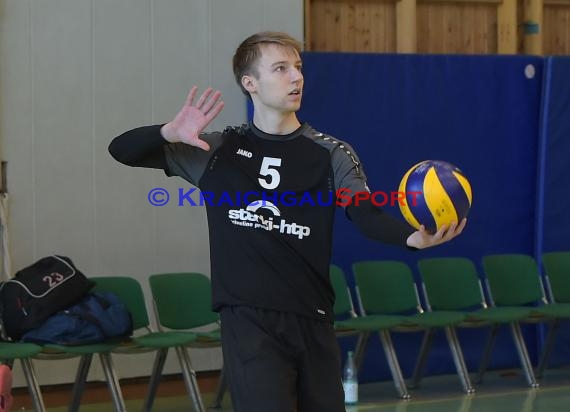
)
(269, 257)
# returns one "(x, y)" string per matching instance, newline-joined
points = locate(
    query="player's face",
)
(279, 84)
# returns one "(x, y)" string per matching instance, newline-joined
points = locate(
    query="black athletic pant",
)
(280, 362)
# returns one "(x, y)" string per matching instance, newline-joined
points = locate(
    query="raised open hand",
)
(193, 118)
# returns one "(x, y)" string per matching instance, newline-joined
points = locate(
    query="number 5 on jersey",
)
(271, 177)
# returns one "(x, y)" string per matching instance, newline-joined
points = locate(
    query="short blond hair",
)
(248, 53)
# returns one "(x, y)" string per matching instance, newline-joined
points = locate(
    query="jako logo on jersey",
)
(244, 153)
(249, 218)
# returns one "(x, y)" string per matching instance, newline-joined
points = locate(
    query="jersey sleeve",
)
(349, 176)
(189, 162)
(371, 221)
(145, 147)
(140, 147)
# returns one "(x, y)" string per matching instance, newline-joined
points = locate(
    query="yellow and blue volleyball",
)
(434, 193)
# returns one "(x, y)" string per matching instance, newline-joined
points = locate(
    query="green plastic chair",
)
(347, 322)
(514, 280)
(183, 302)
(11, 351)
(343, 305)
(557, 274)
(85, 354)
(145, 339)
(346, 319)
(452, 284)
(387, 287)
(504, 272)
(129, 291)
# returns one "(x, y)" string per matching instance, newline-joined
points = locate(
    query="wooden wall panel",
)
(439, 26)
(520, 27)
(556, 29)
(355, 26)
(457, 28)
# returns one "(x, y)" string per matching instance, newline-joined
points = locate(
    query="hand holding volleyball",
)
(437, 194)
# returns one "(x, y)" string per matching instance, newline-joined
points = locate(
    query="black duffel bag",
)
(37, 292)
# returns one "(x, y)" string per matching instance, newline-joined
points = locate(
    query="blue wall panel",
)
(555, 156)
(478, 112)
(553, 202)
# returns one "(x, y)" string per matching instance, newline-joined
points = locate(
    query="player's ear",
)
(248, 83)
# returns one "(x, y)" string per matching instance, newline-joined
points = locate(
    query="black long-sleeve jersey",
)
(270, 203)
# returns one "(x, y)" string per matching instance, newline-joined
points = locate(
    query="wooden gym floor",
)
(502, 391)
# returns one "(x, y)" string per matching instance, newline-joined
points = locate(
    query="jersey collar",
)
(278, 137)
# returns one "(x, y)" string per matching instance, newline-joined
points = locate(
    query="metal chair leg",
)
(190, 378)
(484, 364)
(155, 376)
(112, 382)
(523, 355)
(422, 358)
(80, 379)
(33, 385)
(459, 360)
(222, 385)
(548, 347)
(360, 349)
(393, 363)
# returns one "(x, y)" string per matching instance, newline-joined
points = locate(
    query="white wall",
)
(76, 73)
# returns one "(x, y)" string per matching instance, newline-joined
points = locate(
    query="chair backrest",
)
(182, 300)
(513, 279)
(343, 302)
(557, 269)
(451, 283)
(385, 287)
(130, 292)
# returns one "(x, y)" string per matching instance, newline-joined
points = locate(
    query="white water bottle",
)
(350, 381)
